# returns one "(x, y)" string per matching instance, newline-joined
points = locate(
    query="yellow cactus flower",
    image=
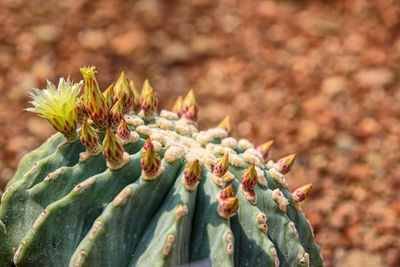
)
(59, 106)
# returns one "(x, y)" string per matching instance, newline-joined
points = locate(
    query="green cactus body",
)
(172, 227)
(250, 238)
(212, 236)
(28, 161)
(160, 194)
(283, 236)
(302, 224)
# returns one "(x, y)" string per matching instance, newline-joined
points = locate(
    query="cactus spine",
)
(161, 193)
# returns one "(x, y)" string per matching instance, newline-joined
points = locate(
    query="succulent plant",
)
(131, 187)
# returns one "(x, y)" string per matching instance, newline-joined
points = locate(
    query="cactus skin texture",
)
(161, 193)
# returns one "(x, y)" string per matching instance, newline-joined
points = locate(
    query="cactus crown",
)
(169, 193)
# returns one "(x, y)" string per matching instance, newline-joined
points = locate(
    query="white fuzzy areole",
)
(280, 199)
(85, 156)
(171, 142)
(173, 153)
(305, 258)
(236, 160)
(84, 184)
(250, 158)
(193, 129)
(276, 259)
(217, 133)
(261, 217)
(125, 159)
(229, 142)
(133, 138)
(278, 177)
(218, 149)
(16, 255)
(169, 115)
(255, 153)
(81, 257)
(120, 199)
(143, 129)
(182, 127)
(96, 227)
(245, 144)
(5, 192)
(291, 224)
(270, 164)
(189, 142)
(203, 138)
(262, 222)
(158, 136)
(263, 227)
(165, 124)
(207, 158)
(50, 175)
(261, 177)
(156, 145)
(210, 147)
(181, 210)
(191, 156)
(230, 243)
(135, 121)
(147, 177)
(168, 244)
(40, 218)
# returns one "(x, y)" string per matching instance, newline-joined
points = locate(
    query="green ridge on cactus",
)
(123, 185)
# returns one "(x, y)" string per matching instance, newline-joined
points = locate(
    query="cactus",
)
(121, 185)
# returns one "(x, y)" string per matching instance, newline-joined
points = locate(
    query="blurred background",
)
(318, 77)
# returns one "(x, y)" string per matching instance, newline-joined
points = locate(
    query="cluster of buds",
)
(228, 204)
(116, 114)
(301, 193)
(149, 104)
(249, 181)
(147, 145)
(264, 149)
(189, 107)
(125, 91)
(90, 139)
(107, 109)
(285, 164)
(225, 124)
(93, 99)
(125, 134)
(148, 101)
(177, 108)
(150, 162)
(145, 89)
(113, 151)
(80, 109)
(220, 170)
(109, 96)
(192, 175)
(123, 130)
(136, 103)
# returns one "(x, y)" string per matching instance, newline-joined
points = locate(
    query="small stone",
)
(334, 85)
(93, 39)
(128, 42)
(375, 77)
(176, 52)
(357, 257)
(46, 33)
